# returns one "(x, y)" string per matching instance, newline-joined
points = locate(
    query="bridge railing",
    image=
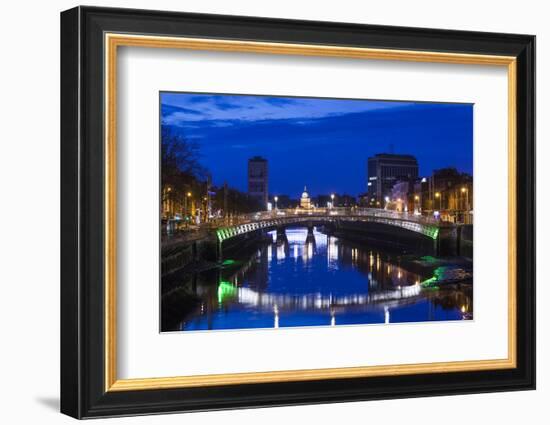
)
(216, 223)
(336, 211)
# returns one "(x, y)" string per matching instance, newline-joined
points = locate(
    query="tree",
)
(180, 168)
(237, 201)
(179, 155)
(181, 172)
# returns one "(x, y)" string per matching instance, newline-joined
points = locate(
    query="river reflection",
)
(310, 279)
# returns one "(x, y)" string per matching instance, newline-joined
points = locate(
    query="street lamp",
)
(168, 201)
(187, 195)
(464, 190)
(466, 206)
(399, 206)
(438, 195)
(276, 199)
(331, 200)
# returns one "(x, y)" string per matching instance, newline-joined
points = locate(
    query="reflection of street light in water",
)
(332, 249)
(332, 318)
(281, 255)
(310, 250)
(386, 314)
(276, 312)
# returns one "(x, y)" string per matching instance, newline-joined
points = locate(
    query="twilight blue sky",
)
(321, 143)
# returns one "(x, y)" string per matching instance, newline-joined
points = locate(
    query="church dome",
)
(305, 202)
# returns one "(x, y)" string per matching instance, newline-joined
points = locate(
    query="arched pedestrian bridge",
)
(287, 218)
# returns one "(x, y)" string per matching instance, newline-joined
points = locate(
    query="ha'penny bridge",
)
(365, 225)
(358, 220)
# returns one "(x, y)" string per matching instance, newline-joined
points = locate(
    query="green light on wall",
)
(432, 232)
(438, 276)
(226, 291)
(429, 282)
(428, 258)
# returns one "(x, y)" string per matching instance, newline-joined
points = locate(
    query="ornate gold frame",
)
(113, 41)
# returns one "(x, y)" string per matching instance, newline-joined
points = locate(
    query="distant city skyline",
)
(323, 144)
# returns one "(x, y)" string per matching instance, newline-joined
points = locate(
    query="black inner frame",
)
(82, 212)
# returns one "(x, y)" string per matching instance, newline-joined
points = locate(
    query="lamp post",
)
(185, 207)
(332, 200)
(438, 195)
(169, 201)
(466, 205)
(416, 199)
(465, 190)
(276, 198)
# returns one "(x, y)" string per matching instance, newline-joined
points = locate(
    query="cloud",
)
(181, 109)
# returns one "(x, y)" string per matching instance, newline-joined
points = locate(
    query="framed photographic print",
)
(263, 212)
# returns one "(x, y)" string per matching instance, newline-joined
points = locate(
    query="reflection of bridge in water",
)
(322, 280)
(229, 290)
(248, 296)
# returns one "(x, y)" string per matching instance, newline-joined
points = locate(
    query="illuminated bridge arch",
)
(416, 225)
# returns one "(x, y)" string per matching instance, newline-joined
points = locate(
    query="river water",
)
(314, 280)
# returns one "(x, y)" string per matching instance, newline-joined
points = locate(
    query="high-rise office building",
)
(258, 179)
(384, 170)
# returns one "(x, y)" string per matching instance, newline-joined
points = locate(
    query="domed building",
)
(305, 200)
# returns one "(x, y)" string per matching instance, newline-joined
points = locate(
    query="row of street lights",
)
(462, 190)
(185, 199)
(437, 195)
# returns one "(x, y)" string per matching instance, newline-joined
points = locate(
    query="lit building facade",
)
(258, 180)
(451, 193)
(384, 170)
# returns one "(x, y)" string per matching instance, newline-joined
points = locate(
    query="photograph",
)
(276, 211)
(283, 211)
